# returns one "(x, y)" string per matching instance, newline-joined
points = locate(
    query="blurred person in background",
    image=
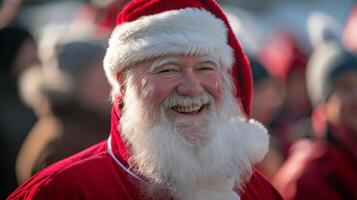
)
(325, 167)
(69, 94)
(322, 27)
(267, 93)
(9, 10)
(180, 125)
(285, 60)
(100, 13)
(266, 102)
(18, 51)
(350, 31)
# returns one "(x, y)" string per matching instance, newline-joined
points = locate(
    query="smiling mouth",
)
(189, 110)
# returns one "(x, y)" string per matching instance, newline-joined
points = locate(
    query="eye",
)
(206, 67)
(163, 71)
(167, 71)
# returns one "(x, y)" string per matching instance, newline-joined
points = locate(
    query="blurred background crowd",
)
(54, 98)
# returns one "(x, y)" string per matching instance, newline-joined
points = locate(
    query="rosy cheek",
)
(219, 92)
(159, 90)
(215, 86)
(219, 86)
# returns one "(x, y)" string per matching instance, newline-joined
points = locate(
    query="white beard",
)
(224, 147)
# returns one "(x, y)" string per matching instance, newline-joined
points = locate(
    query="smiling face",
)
(184, 126)
(163, 81)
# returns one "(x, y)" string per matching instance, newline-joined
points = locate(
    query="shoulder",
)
(307, 163)
(304, 155)
(67, 175)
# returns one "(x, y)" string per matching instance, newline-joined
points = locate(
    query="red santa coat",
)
(101, 172)
(94, 174)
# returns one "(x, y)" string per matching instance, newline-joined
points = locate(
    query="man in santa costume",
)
(179, 123)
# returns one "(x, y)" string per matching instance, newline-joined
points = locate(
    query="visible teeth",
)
(187, 109)
(176, 100)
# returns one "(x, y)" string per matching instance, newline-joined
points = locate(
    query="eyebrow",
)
(209, 59)
(161, 62)
(171, 60)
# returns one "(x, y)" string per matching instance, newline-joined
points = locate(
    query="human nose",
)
(190, 85)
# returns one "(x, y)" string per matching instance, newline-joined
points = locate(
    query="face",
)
(26, 57)
(92, 88)
(297, 100)
(192, 142)
(342, 103)
(188, 76)
(266, 100)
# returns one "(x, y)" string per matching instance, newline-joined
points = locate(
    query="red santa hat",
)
(153, 28)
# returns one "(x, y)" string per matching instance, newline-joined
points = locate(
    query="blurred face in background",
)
(297, 100)
(92, 87)
(266, 101)
(26, 57)
(342, 103)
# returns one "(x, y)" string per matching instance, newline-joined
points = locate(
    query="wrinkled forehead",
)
(179, 59)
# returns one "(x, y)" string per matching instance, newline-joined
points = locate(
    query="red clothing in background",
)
(319, 169)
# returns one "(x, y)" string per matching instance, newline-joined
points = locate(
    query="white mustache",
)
(176, 100)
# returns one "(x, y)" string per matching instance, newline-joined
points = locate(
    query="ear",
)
(120, 81)
(118, 78)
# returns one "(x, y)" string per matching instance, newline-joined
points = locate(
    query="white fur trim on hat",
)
(189, 31)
